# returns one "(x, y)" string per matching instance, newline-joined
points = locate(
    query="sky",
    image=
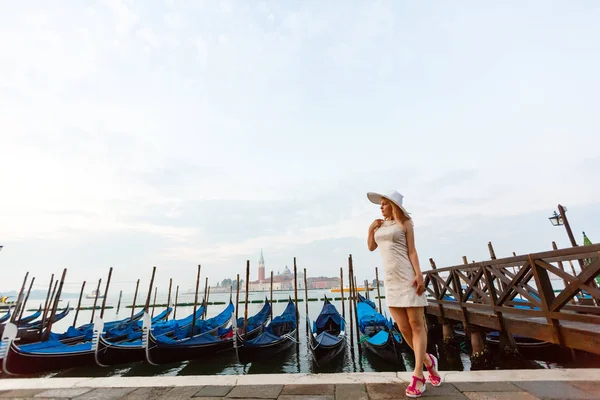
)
(175, 133)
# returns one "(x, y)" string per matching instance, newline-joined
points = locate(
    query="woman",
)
(404, 288)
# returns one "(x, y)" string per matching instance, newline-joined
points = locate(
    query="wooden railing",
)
(523, 288)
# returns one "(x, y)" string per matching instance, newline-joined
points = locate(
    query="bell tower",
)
(261, 267)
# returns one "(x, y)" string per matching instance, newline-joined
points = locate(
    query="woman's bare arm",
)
(371, 240)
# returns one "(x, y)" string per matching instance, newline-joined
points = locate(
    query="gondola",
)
(5, 317)
(30, 332)
(278, 336)
(72, 335)
(165, 350)
(25, 320)
(46, 356)
(327, 338)
(32, 317)
(377, 334)
(110, 351)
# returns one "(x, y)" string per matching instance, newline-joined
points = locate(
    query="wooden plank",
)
(523, 312)
(593, 291)
(581, 340)
(558, 272)
(436, 290)
(479, 306)
(569, 253)
(583, 254)
(581, 309)
(472, 286)
(575, 317)
(458, 289)
(447, 287)
(544, 285)
(521, 289)
(584, 277)
(514, 282)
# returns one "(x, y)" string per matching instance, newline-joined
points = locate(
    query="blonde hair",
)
(398, 214)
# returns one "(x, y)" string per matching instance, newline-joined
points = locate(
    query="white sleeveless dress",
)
(399, 273)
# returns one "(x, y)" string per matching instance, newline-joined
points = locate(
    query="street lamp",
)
(556, 220)
(561, 219)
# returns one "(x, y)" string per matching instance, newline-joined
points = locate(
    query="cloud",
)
(199, 132)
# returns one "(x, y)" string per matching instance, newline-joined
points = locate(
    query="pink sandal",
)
(412, 391)
(435, 380)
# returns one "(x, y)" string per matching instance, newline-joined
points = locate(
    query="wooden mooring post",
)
(78, 305)
(378, 292)
(196, 299)
(342, 292)
(169, 298)
(237, 298)
(175, 305)
(137, 287)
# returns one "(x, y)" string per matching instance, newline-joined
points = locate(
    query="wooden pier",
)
(518, 295)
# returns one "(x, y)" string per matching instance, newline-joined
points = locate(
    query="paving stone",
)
(446, 389)
(11, 394)
(555, 390)
(499, 396)
(147, 393)
(255, 392)
(381, 391)
(213, 391)
(486, 387)
(319, 389)
(306, 397)
(208, 398)
(181, 393)
(590, 387)
(106, 394)
(63, 393)
(351, 391)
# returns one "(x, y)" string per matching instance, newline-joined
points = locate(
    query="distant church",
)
(281, 281)
(285, 280)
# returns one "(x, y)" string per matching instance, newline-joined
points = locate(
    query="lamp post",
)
(561, 219)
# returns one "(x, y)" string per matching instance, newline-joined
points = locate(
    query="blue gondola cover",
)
(329, 312)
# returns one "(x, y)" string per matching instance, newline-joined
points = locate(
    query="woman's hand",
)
(418, 283)
(376, 224)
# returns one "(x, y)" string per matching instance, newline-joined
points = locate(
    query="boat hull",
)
(322, 354)
(17, 362)
(248, 353)
(391, 351)
(109, 353)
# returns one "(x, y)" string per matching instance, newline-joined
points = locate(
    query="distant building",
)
(285, 280)
(322, 282)
(261, 267)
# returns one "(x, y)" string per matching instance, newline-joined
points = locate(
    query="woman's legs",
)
(411, 322)
(401, 317)
(419, 337)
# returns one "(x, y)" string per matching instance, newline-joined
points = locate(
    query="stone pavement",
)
(559, 384)
(345, 391)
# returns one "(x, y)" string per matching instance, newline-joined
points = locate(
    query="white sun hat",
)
(393, 195)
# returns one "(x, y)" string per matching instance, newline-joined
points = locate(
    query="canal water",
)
(296, 359)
